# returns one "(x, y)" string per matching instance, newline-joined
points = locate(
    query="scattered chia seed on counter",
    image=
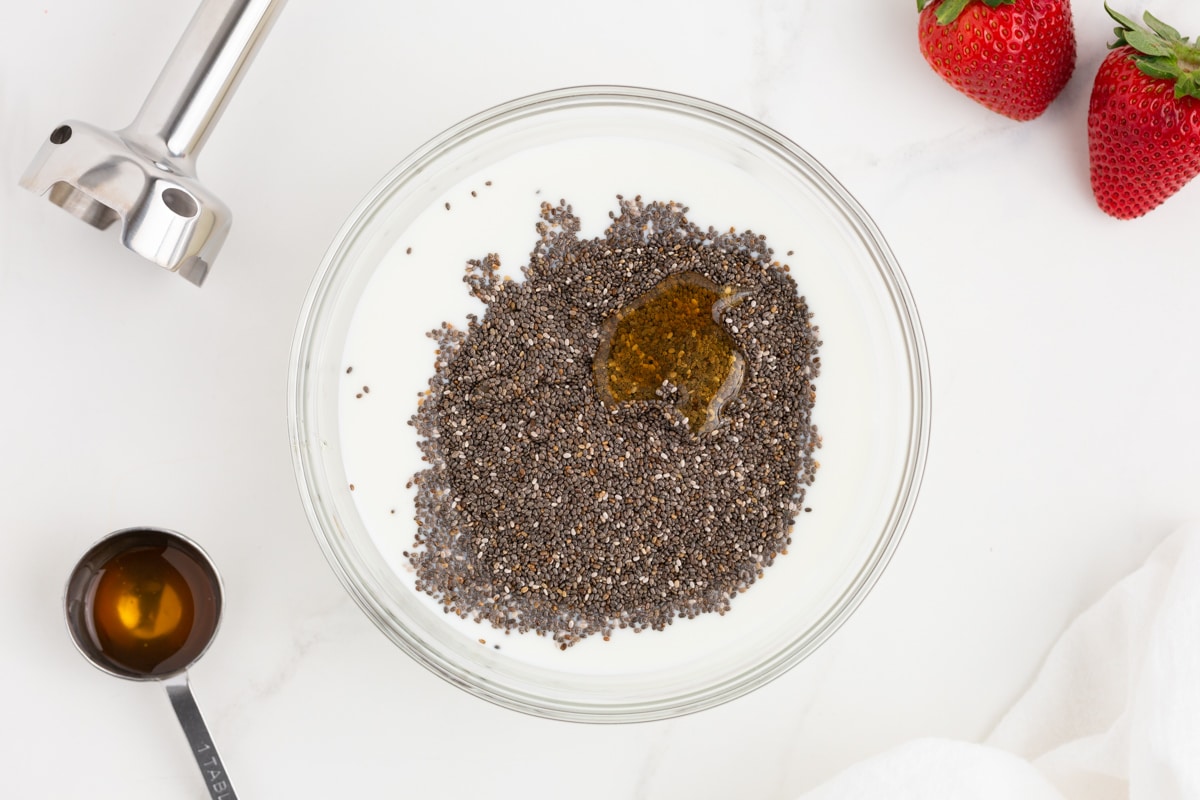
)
(557, 503)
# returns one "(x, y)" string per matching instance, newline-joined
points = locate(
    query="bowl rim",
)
(326, 526)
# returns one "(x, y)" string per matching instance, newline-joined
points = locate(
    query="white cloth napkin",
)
(1114, 713)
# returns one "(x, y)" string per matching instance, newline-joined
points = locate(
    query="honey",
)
(152, 609)
(668, 345)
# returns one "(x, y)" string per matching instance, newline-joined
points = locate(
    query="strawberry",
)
(1014, 56)
(1144, 118)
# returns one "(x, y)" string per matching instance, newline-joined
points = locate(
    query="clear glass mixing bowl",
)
(394, 272)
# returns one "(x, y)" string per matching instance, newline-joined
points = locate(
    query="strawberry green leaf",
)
(1163, 29)
(949, 10)
(1187, 85)
(1147, 43)
(1157, 68)
(1126, 23)
(1162, 52)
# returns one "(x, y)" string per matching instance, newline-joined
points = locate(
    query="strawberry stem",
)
(950, 10)
(1160, 52)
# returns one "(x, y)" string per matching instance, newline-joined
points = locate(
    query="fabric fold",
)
(1113, 714)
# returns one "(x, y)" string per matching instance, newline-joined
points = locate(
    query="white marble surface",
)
(1063, 346)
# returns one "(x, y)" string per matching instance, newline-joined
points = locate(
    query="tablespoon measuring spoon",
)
(144, 604)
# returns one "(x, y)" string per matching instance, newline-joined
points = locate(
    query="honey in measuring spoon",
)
(152, 609)
(143, 604)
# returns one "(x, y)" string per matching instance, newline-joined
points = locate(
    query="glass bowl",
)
(394, 273)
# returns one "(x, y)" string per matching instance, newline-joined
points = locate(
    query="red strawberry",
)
(1014, 56)
(1144, 118)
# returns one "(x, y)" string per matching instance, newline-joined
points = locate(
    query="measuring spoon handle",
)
(211, 765)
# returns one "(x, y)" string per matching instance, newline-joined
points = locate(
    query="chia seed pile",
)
(542, 509)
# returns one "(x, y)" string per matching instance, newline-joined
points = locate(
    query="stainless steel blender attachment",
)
(145, 174)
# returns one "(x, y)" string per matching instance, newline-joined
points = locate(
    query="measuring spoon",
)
(144, 604)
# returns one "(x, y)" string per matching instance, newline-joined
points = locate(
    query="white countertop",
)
(1062, 342)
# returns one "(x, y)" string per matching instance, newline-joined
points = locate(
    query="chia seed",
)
(542, 508)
